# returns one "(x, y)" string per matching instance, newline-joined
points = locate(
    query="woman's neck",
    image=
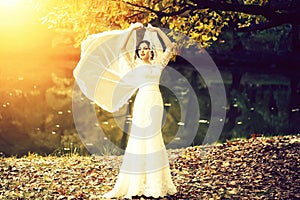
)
(146, 61)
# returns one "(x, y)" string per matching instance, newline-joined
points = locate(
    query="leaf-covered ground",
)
(257, 168)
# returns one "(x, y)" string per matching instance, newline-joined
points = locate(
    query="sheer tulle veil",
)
(100, 73)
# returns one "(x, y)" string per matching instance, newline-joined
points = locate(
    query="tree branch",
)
(278, 14)
(144, 7)
(258, 27)
(248, 9)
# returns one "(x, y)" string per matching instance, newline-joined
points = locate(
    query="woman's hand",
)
(152, 29)
(136, 26)
(130, 30)
(164, 37)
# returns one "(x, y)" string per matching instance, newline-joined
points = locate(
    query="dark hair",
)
(148, 44)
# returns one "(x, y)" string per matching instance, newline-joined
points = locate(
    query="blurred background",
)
(40, 47)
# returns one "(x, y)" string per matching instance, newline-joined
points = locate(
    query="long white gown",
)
(110, 83)
(145, 168)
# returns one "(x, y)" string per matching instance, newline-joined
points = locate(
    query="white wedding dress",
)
(145, 169)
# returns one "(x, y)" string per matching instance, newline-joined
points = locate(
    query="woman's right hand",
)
(136, 26)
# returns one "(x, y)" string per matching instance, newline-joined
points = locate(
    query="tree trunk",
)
(236, 80)
(295, 39)
(295, 96)
(126, 126)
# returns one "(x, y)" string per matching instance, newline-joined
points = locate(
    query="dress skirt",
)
(145, 169)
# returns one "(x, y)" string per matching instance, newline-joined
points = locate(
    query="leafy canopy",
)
(201, 20)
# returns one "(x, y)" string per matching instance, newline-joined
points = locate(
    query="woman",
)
(110, 80)
(145, 168)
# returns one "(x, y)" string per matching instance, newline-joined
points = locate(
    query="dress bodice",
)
(148, 76)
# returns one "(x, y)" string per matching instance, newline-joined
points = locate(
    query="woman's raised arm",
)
(132, 27)
(164, 37)
(164, 58)
(126, 55)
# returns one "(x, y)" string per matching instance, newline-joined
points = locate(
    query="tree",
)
(201, 20)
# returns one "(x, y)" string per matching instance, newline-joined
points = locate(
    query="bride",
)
(145, 169)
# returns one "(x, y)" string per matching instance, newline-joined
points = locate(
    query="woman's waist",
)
(149, 87)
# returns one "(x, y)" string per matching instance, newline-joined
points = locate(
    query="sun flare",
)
(9, 3)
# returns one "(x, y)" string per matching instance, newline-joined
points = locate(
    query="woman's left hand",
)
(136, 26)
(152, 29)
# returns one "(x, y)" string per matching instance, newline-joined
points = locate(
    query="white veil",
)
(101, 69)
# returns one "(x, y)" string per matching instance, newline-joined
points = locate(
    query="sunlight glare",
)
(9, 3)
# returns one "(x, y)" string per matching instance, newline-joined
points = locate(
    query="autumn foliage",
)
(203, 21)
(257, 168)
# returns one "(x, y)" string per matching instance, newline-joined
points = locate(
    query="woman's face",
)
(144, 52)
